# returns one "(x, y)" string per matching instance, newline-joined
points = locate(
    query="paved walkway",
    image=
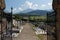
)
(27, 33)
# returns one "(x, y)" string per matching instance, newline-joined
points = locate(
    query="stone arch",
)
(56, 7)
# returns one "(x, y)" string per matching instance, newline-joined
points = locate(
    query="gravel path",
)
(27, 33)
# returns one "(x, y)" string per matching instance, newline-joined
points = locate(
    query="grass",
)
(34, 27)
(40, 36)
(38, 18)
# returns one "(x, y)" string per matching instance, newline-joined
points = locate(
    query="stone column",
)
(56, 7)
(2, 7)
(58, 24)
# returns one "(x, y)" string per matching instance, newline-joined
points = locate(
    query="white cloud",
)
(35, 6)
(30, 5)
(46, 6)
(20, 9)
(17, 9)
(14, 9)
(43, 5)
(49, 4)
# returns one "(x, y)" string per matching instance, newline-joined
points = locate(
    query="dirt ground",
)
(27, 33)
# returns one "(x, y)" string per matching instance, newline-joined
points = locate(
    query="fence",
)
(51, 26)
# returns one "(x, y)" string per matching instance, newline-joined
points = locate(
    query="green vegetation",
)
(41, 36)
(17, 17)
(33, 27)
(38, 18)
(30, 18)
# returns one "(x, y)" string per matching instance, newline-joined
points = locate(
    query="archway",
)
(56, 8)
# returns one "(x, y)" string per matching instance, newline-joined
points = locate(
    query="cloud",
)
(20, 9)
(30, 5)
(14, 9)
(43, 5)
(49, 4)
(17, 9)
(35, 6)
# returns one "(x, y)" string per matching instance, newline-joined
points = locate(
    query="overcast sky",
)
(20, 5)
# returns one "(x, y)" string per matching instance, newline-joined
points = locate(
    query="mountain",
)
(50, 10)
(34, 12)
(28, 10)
(38, 12)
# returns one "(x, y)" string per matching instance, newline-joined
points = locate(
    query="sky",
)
(20, 5)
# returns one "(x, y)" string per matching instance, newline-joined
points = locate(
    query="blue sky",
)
(20, 5)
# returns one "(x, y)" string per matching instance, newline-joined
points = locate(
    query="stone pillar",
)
(2, 7)
(2, 4)
(58, 24)
(56, 7)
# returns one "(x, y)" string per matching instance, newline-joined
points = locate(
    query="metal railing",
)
(51, 22)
